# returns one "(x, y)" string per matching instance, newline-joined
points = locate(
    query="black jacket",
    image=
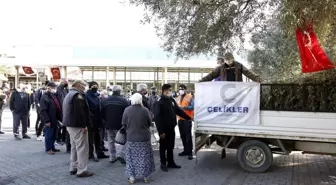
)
(48, 110)
(94, 104)
(145, 102)
(19, 102)
(38, 96)
(61, 93)
(113, 109)
(165, 114)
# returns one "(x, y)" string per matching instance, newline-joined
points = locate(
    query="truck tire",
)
(254, 156)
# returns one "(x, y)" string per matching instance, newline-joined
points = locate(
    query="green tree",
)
(192, 27)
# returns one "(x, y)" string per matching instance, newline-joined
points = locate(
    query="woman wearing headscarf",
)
(139, 153)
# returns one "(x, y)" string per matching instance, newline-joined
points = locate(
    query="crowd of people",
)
(82, 116)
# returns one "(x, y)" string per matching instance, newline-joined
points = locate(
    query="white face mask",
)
(170, 94)
(110, 93)
(53, 91)
(181, 92)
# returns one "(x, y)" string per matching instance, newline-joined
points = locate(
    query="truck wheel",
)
(254, 156)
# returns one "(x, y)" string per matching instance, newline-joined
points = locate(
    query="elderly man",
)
(231, 70)
(51, 114)
(19, 104)
(142, 89)
(76, 118)
(62, 91)
(113, 109)
(153, 97)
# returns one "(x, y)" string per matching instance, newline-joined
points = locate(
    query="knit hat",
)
(92, 84)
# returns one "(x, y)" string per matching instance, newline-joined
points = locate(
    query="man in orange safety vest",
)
(186, 103)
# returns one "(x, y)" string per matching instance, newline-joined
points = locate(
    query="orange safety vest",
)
(185, 102)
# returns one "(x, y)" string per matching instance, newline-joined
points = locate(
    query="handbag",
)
(121, 136)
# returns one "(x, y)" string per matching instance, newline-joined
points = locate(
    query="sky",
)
(80, 23)
(67, 23)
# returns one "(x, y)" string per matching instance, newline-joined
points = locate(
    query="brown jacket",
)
(221, 71)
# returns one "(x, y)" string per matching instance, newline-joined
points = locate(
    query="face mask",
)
(94, 90)
(53, 91)
(181, 92)
(66, 85)
(170, 94)
(110, 93)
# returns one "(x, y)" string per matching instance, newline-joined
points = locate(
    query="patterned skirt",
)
(139, 159)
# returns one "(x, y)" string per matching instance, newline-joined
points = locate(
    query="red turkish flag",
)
(56, 73)
(313, 58)
(27, 70)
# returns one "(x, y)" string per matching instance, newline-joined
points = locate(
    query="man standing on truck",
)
(165, 111)
(231, 70)
(186, 103)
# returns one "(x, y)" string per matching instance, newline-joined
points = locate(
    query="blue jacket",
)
(93, 102)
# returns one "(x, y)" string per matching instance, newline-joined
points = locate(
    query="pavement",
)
(25, 163)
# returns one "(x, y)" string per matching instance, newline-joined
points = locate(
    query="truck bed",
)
(301, 126)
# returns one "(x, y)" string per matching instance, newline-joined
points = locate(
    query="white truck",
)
(255, 133)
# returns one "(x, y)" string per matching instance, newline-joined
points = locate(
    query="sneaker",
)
(190, 157)
(85, 174)
(17, 137)
(2, 132)
(121, 160)
(40, 138)
(25, 136)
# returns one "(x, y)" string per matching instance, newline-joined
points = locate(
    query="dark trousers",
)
(61, 134)
(102, 138)
(167, 147)
(67, 141)
(38, 125)
(50, 137)
(20, 118)
(94, 141)
(185, 133)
